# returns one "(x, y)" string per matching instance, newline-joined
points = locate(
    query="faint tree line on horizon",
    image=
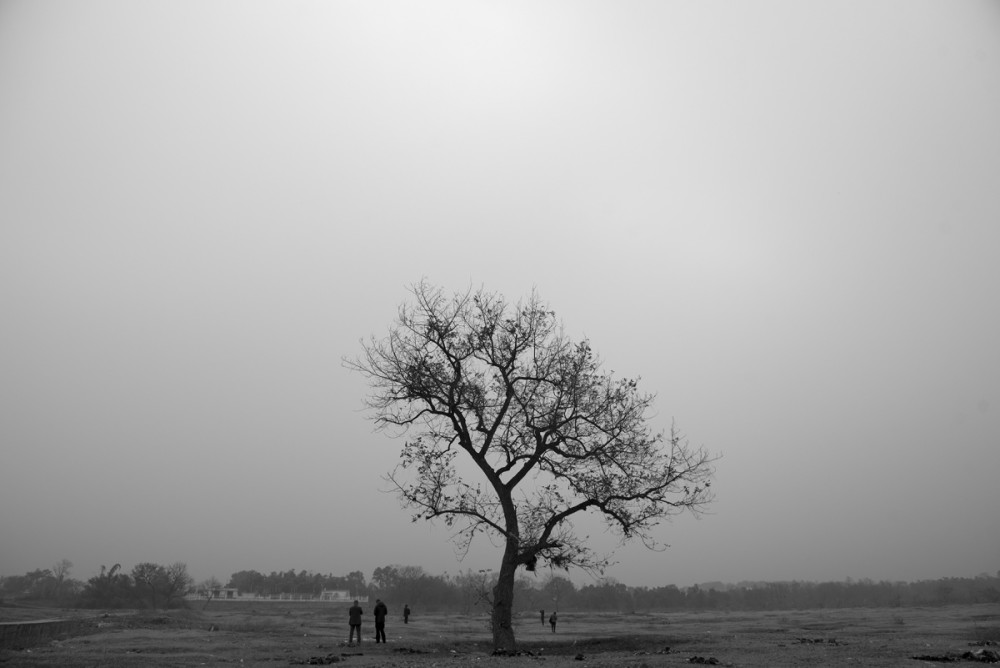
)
(51, 584)
(301, 582)
(457, 593)
(150, 585)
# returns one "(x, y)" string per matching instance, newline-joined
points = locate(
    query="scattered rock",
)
(709, 661)
(982, 656)
(520, 652)
(317, 660)
(937, 658)
(979, 656)
(578, 657)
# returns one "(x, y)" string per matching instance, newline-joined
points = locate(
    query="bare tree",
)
(542, 433)
(147, 577)
(60, 572)
(176, 582)
(206, 587)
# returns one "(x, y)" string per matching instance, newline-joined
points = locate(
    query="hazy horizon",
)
(784, 217)
(578, 577)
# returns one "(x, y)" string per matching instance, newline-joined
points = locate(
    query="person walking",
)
(542, 613)
(552, 622)
(354, 618)
(406, 613)
(380, 612)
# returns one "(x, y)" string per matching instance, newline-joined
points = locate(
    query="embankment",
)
(16, 635)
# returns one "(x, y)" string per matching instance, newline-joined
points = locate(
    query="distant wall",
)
(326, 597)
(15, 635)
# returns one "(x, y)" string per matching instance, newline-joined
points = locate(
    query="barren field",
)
(300, 634)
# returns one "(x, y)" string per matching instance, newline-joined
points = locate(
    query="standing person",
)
(552, 622)
(542, 613)
(380, 612)
(406, 613)
(354, 618)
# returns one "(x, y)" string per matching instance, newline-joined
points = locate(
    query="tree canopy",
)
(547, 434)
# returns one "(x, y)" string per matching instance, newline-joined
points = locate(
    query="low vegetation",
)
(154, 586)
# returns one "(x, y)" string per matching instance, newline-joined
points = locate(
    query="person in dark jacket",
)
(354, 618)
(380, 612)
(552, 622)
(406, 613)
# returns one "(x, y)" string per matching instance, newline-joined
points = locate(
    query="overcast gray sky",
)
(784, 216)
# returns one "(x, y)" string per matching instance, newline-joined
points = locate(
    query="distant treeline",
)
(153, 585)
(147, 585)
(791, 595)
(467, 590)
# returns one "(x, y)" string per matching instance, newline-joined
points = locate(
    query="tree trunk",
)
(503, 600)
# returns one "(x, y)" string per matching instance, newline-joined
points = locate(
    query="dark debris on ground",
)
(979, 656)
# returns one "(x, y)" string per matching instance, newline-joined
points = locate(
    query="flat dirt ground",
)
(274, 634)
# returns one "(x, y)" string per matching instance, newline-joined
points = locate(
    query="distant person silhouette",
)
(354, 618)
(380, 612)
(406, 613)
(542, 613)
(552, 622)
